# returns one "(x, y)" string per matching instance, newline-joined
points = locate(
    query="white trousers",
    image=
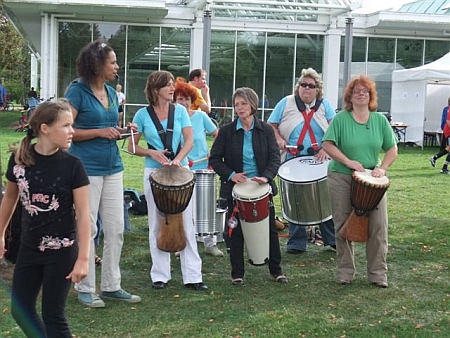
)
(106, 198)
(191, 263)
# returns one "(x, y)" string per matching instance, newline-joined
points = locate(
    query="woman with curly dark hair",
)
(95, 110)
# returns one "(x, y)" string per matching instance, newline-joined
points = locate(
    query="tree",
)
(14, 61)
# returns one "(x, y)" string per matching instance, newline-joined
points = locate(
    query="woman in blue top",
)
(185, 94)
(159, 91)
(95, 110)
(247, 149)
(288, 123)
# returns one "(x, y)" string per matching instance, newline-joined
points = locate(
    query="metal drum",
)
(221, 217)
(304, 191)
(205, 202)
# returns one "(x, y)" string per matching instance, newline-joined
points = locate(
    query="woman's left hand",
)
(260, 180)
(378, 172)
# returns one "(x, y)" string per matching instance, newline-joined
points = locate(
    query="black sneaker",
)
(196, 286)
(445, 171)
(433, 162)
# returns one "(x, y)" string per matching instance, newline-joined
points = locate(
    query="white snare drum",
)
(252, 200)
(304, 191)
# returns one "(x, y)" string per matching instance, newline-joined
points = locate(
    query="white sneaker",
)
(214, 251)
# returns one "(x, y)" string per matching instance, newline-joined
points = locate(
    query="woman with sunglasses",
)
(288, 121)
(354, 141)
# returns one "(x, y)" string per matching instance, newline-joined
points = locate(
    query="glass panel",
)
(380, 67)
(279, 70)
(250, 60)
(72, 37)
(309, 54)
(409, 53)
(221, 73)
(435, 50)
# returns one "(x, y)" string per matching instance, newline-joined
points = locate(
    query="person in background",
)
(184, 95)
(95, 110)
(445, 126)
(247, 149)
(3, 94)
(52, 186)
(121, 99)
(159, 91)
(32, 93)
(354, 141)
(197, 78)
(288, 122)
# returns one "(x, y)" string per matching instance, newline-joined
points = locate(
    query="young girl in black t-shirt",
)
(52, 186)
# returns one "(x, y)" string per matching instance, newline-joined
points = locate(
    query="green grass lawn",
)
(416, 304)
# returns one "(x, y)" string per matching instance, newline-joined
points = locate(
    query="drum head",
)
(250, 190)
(172, 176)
(303, 169)
(366, 176)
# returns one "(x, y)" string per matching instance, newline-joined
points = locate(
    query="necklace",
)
(99, 94)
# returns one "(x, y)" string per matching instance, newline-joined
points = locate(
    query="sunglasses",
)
(308, 85)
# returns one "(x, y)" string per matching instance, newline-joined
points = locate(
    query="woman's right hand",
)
(159, 155)
(355, 165)
(110, 133)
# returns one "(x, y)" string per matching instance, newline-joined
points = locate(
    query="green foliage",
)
(416, 304)
(14, 61)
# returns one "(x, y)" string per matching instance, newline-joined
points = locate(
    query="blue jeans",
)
(298, 238)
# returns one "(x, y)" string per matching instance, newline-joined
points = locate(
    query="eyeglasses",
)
(361, 91)
(241, 104)
(309, 85)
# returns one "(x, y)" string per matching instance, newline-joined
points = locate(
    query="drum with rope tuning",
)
(172, 188)
(366, 193)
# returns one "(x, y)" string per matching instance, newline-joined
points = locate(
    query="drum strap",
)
(166, 136)
(307, 125)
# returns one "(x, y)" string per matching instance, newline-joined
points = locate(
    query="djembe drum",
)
(172, 188)
(366, 193)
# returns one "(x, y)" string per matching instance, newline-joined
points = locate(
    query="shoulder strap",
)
(301, 106)
(166, 136)
(159, 127)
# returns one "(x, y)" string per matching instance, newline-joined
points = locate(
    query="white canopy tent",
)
(418, 97)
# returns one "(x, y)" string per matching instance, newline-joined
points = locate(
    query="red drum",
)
(252, 200)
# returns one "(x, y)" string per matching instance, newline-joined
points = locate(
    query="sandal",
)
(98, 260)
(280, 279)
(344, 281)
(237, 281)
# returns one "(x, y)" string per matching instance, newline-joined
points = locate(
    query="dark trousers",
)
(236, 245)
(48, 269)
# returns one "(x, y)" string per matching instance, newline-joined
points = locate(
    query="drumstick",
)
(191, 163)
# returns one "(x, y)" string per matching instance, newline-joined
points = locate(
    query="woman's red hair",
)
(184, 89)
(366, 82)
